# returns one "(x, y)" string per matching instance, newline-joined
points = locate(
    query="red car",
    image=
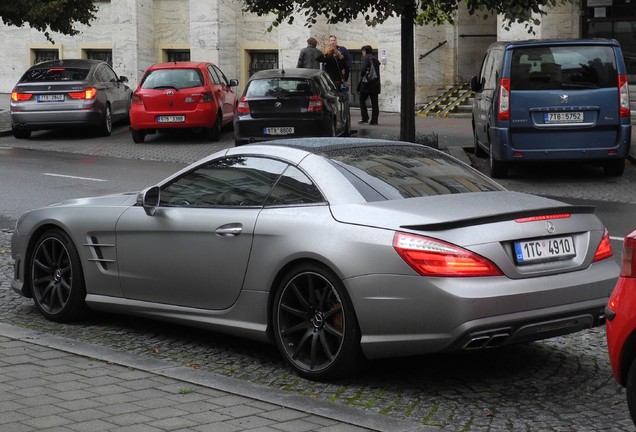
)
(621, 324)
(183, 95)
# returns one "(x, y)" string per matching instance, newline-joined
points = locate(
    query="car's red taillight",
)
(431, 257)
(604, 249)
(504, 99)
(243, 106)
(88, 94)
(206, 97)
(628, 264)
(136, 98)
(315, 104)
(623, 94)
(19, 97)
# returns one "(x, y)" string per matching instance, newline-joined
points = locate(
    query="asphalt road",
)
(562, 384)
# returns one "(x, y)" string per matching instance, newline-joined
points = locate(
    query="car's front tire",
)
(21, 133)
(57, 280)
(314, 324)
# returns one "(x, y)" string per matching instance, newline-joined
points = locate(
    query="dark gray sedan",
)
(334, 249)
(291, 103)
(69, 93)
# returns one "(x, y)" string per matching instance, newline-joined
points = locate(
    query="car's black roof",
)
(286, 73)
(69, 63)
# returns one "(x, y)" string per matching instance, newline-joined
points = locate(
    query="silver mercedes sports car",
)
(334, 249)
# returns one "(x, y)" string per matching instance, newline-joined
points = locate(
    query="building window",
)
(177, 55)
(262, 60)
(103, 55)
(40, 55)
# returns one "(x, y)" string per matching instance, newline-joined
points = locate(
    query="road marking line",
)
(74, 177)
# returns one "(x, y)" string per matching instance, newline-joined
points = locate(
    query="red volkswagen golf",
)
(621, 324)
(183, 95)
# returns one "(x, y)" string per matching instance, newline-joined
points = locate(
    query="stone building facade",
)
(133, 34)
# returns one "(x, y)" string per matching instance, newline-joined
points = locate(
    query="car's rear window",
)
(55, 74)
(278, 87)
(396, 172)
(563, 67)
(172, 78)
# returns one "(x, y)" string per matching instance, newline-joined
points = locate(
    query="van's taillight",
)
(18, 97)
(243, 106)
(628, 266)
(432, 257)
(315, 104)
(604, 249)
(504, 99)
(623, 93)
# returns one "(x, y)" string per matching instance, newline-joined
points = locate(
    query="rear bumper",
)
(38, 120)
(248, 129)
(202, 117)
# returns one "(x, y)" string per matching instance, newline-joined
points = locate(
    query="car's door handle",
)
(229, 230)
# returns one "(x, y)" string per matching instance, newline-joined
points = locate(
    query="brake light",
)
(136, 98)
(19, 97)
(544, 217)
(315, 104)
(243, 106)
(623, 94)
(604, 249)
(504, 99)
(88, 94)
(431, 257)
(206, 96)
(628, 264)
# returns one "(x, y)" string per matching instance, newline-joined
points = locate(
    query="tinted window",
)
(565, 67)
(222, 79)
(172, 78)
(234, 181)
(294, 187)
(55, 74)
(278, 87)
(395, 172)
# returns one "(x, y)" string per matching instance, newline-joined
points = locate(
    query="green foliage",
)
(48, 15)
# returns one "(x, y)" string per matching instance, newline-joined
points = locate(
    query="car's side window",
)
(214, 76)
(221, 76)
(294, 188)
(231, 181)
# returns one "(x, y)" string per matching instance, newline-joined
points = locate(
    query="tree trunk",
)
(407, 103)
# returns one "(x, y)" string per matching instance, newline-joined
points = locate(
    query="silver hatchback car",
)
(69, 93)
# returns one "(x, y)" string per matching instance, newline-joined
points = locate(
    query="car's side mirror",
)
(475, 85)
(149, 199)
(234, 83)
(123, 79)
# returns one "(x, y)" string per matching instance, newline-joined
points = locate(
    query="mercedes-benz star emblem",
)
(549, 227)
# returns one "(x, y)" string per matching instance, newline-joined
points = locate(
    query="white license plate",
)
(278, 130)
(51, 98)
(564, 117)
(170, 119)
(544, 249)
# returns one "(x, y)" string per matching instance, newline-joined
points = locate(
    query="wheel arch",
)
(628, 354)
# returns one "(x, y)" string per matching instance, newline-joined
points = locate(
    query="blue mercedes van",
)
(552, 100)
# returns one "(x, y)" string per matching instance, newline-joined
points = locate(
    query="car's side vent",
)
(101, 253)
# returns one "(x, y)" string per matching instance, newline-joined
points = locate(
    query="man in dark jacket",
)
(308, 55)
(369, 86)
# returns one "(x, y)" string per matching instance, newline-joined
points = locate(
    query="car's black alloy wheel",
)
(314, 324)
(57, 281)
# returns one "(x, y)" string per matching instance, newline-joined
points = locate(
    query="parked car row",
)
(176, 95)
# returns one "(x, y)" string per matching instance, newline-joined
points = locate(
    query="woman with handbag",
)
(335, 66)
(369, 86)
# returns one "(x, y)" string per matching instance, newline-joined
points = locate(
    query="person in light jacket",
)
(369, 88)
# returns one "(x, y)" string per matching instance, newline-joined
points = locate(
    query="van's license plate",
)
(564, 117)
(278, 130)
(544, 249)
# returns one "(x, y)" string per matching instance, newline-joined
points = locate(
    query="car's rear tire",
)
(106, 127)
(614, 167)
(21, 133)
(497, 169)
(214, 133)
(138, 136)
(630, 390)
(314, 324)
(57, 280)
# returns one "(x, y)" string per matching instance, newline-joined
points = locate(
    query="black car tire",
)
(314, 324)
(138, 136)
(57, 280)
(21, 133)
(630, 390)
(497, 169)
(214, 133)
(614, 167)
(106, 127)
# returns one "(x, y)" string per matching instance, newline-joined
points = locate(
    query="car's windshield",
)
(172, 78)
(278, 87)
(55, 74)
(563, 67)
(395, 172)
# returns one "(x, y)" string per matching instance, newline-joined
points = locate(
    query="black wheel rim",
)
(52, 275)
(311, 322)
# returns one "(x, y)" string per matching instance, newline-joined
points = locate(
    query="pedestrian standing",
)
(335, 66)
(369, 86)
(308, 58)
(333, 41)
